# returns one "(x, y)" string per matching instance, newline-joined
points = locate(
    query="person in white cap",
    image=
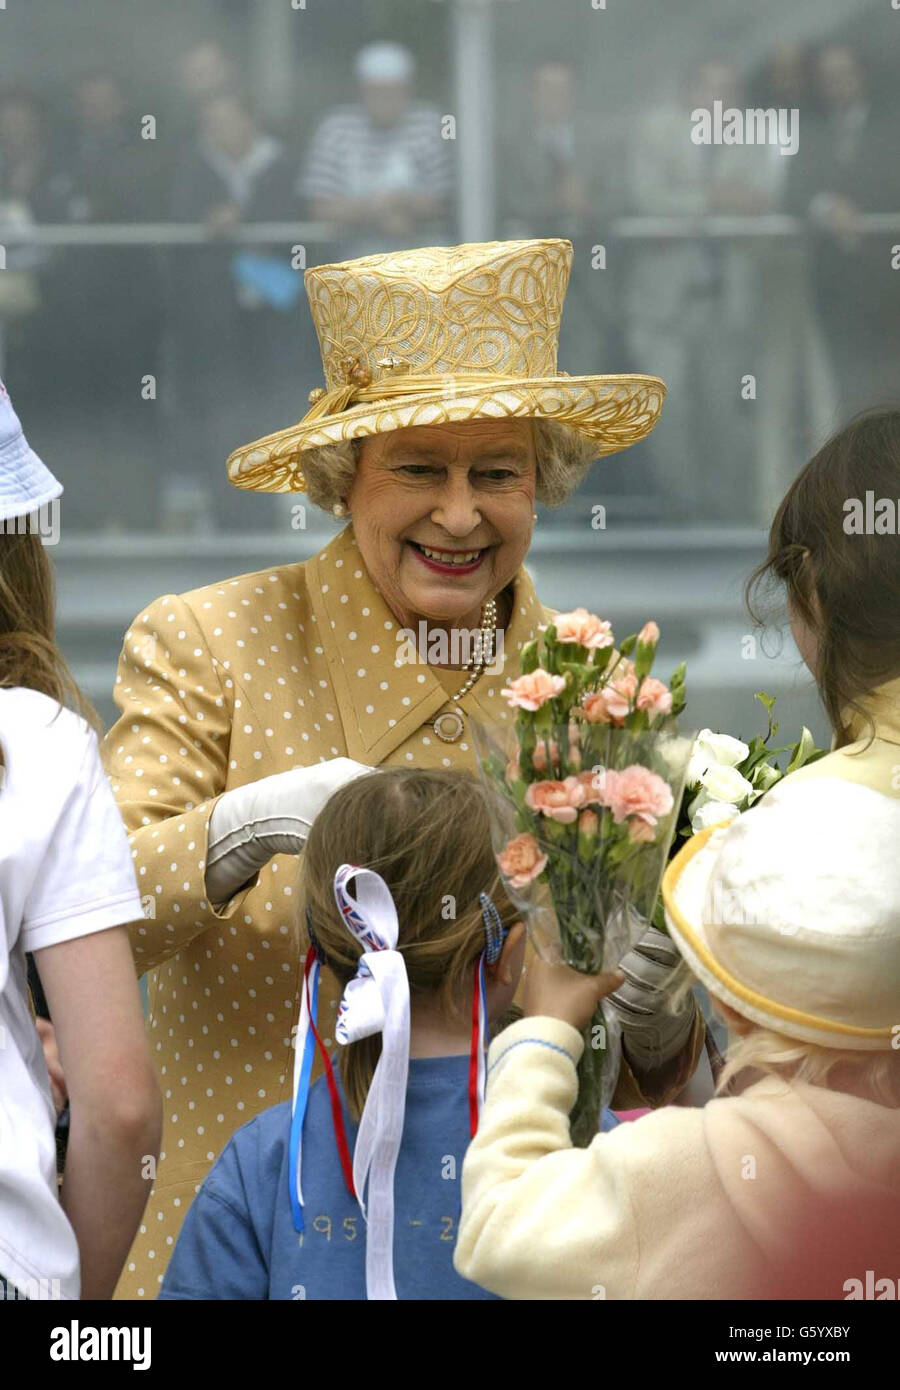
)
(789, 1189)
(67, 892)
(380, 167)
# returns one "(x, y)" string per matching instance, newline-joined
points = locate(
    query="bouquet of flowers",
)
(584, 789)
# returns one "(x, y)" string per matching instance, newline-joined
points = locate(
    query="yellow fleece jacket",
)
(786, 1191)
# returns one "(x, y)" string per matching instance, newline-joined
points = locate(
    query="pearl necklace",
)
(449, 725)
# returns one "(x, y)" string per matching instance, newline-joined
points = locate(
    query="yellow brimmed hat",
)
(443, 334)
(791, 914)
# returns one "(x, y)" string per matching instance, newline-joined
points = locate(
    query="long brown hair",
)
(29, 655)
(843, 586)
(426, 831)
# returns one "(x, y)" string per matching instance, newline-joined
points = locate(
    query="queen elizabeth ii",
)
(244, 704)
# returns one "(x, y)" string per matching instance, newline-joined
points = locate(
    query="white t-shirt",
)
(65, 871)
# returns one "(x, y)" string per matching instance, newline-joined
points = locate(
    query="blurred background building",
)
(166, 171)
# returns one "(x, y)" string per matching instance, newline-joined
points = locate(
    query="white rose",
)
(725, 784)
(704, 755)
(713, 813)
(714, 749)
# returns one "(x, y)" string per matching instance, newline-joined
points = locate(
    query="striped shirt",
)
(350, 157)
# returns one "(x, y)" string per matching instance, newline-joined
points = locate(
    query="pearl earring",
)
(534, 516)
(339, 509)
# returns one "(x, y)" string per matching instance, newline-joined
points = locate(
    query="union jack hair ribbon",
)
(494, 936)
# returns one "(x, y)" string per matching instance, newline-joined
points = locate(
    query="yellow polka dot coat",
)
(219, 687)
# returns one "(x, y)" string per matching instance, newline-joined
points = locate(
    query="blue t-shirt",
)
(239, 1242)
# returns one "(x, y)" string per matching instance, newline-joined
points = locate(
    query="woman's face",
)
(465, 491)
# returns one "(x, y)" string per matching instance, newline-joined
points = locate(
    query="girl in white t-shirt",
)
(67, 892)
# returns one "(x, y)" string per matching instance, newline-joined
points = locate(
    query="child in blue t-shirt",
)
(428, 949)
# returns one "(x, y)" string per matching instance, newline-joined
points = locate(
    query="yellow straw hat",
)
(791, 914)
(443, 334)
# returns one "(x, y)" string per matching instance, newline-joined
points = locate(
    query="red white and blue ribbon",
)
(306, 1041)
(376, 1000)
(478, 1053)
(304, 1051)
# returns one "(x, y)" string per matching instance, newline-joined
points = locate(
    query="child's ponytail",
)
(427, 833)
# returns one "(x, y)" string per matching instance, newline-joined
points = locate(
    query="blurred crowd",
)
(763, 341)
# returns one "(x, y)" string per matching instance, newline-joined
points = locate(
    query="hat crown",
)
(491, 307)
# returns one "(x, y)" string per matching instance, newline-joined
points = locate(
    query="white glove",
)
(651, 1033)
(271, 816)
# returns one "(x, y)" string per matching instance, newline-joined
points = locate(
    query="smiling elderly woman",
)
(245, 704)
(442, 514)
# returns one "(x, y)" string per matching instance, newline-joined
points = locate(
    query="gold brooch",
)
(395, 365)
(356, 373)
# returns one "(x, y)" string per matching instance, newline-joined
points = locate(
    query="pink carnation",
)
(611, 704)
(559, 801)
(582, 627)
(594, 709)
(649, 634)
(654, 697)
(521, 860)
(636, 791)
(533, 690)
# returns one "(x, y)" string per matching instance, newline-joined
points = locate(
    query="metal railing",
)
(734, 228)
(163, 234)
(637, 228)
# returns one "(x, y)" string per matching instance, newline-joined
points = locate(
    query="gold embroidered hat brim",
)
(440, 335)
(613, 412)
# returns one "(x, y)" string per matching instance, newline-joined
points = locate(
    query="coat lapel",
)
(352, 617)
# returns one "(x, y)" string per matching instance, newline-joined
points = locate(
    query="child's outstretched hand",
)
(555, 991)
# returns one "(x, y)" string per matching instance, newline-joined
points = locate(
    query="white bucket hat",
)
(791, 914)
(26, 484)
(384, 62)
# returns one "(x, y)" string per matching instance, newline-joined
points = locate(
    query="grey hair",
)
(563, 457)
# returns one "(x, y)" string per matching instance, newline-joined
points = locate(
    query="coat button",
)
(449, 726)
